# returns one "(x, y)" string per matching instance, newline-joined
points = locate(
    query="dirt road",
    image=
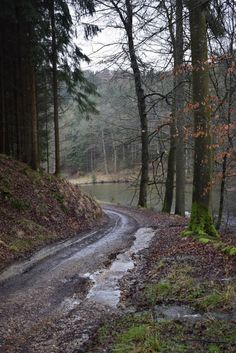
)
(47, 304)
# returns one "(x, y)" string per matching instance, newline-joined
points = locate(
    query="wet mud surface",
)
(57, 301)
(44, 302)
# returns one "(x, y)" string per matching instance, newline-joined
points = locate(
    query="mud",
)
(45, 303)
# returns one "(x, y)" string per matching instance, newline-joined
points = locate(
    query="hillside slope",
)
(37, 209)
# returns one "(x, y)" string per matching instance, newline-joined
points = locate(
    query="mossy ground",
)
(143, 333)
(177, 272)
(181, 287)
(140, 333)
(201, 223)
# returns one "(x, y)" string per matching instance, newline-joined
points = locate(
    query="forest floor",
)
(37, 209)
(180, 297)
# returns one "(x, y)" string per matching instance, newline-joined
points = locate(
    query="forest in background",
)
(168, 110)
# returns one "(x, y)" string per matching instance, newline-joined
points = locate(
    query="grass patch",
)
(139, 333)
(141, 338)
(24, 245)
(156, 291)
(180, 287)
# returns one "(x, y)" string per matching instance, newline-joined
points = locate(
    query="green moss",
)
(212, 301)
(6, 192)
(21, 246)
(33, 175)
(50, 177)
(228, 249)
(214, 348)
(204, 240)
(179, 286)
(28, 224)
(21, 205)
(58, 196)
(140, 333)
(175, 286)
(103, 332)
(201, 223)
(157, 291)
(61, 199)
(6, 187)
(142, 338)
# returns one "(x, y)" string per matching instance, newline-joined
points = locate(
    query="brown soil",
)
(37, 209)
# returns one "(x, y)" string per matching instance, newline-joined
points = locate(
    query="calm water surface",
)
(125, 194)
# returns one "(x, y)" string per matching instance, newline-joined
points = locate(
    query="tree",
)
(176, 156)
(54, 61)
(222, 76)
(18, 112)
(201, 222)
(125, 11)
(37, 40)
(179, 107)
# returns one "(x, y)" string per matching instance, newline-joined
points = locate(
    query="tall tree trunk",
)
(222, 189)
(114, 150)
(225, 158)
(55, 88)
(18, 90)
(34, 127)
(47, 139)
(104, 153)
(141, 107)
(201, 221)
(169, 184)
(2, 88)
(179, 116)
(170, 175)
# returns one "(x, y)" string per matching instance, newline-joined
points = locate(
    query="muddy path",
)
(52, 302)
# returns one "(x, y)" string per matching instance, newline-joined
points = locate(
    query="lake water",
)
(125, 194)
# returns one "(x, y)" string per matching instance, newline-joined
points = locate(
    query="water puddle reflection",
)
(106, 282)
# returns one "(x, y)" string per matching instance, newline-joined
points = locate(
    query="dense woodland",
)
(164, 103)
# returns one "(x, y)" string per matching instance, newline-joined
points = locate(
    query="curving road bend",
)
(44, 304)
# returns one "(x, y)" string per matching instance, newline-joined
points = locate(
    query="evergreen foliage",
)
(27, 71)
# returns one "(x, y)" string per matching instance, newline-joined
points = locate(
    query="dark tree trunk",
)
(225, 158)
(169, 184)
(34, 120)
(201, 221)
(2, 88)
(141, 107)
(55, 89)
(222, 190)
(179, 115)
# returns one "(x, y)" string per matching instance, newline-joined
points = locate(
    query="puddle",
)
(106, 282)
(174, 312)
